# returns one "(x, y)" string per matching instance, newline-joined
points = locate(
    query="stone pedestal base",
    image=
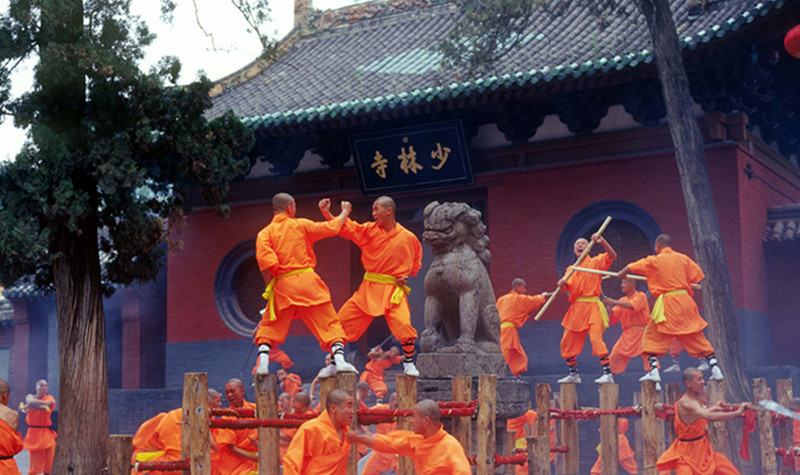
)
(513, 395)
(446, 365)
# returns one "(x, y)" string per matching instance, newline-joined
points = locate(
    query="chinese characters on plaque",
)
(412, 158)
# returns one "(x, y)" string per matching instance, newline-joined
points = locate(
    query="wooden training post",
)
(609, 437)
(717, 434)
(673, 392)
(538, 455)
(569, 273)
(543, 396)
(637, 431)
(559, 461)
(661, 433)
(462, 426)
(266, 389)
(406, 388)
(487, 407)
(569, 429)
(766, 438)
(120, 452)
(649, 428)
(195, 445)
(784, 395)
(326, 385)
(511, 443)
(348, 381)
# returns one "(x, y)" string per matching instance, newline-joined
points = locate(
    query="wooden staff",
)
(572, 269)
(614, 274)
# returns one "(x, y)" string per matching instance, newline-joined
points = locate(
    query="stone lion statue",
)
(460, 311)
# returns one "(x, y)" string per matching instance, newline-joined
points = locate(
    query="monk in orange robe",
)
(300, 405)
(289, 382)
(514, 308)
(670, 276)
(237, 453)
(379, 361)
(10, 441)
(380, 462)
(632, 312)
(320, 446)
(524, 425)
(286, 259)
(627, 457)
(586, 313)
(390, 254)
(40, 441)
(691, 453)
(429, 446)
(146, 445)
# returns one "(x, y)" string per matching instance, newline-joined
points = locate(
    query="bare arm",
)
(243, 453)
(691, 410)
(606, 245)
(34, 403)
(361, 438)
(621, 303)
(624, 272)
(325, 208)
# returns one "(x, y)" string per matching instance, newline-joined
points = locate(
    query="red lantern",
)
(792, 41)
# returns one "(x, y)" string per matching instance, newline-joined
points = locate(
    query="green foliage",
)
(122, 150)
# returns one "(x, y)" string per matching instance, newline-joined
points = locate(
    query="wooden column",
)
(462, 426)
(120, 452)
(195, 445)
(538, 455)
(650, 451)
(326, 385)
(348, 381)
(638, 447)
(673, 392)
(406, 388)
(784, 395)
(609, 437)
(766, 437)
(543, 396)
(569, 430)
(266, 389)
(487, 407)
(511, 443)
(717, 434)
(559, 439)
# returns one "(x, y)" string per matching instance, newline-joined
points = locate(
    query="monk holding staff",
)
(514, 309)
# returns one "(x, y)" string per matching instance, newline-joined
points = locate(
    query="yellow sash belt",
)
(657, 314)
(148, 456)
(399, 290)
(269, 292)
(603, 312)
(506, 324)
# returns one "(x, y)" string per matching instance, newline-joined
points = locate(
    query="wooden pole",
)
(487, 407)
(784, 395)
(766, 437)
(614, 274)
(638, 447)
(326, 385)
(661, 426)
(462, 426)
(569, 429)
(717, 433)
(649, 428)
(609, 436)
(195, 444)
(673, 392)
(543, 396)
(120, 452)
(559, 458)
(348, 381)
(538, 455)
(406, 388)
(569, 272)
(511, 443)
(266, 389)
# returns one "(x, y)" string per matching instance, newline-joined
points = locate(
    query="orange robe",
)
(380, 462)
(518, 424)
(292, 384)
(276, 355)
(583, 317)
(633, 323)
(440, 454)
(40, 441)
(290, 432)
(146, 444)
(514, 309)
(316, 449)
(671, 271)
(373, 375)
(627, 457)
(691, 453)
(10, 445)
(230, 463)
(286, 245)
(395, 253)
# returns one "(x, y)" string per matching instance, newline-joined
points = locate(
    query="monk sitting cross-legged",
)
(10, 441)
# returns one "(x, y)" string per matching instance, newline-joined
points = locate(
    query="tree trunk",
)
(718, 299)
(83, 384)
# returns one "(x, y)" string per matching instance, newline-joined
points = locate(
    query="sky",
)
(230, 47)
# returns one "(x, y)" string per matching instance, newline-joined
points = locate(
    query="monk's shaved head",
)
(689, 373)
(665, 240)
(336, 398)
(281, 201)
(517, 282)
(302, 398)
(4, 387)
(429, 408)
(386, 202)
(235, 382)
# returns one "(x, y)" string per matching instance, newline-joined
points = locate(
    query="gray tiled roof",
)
(386, 62)
(783, 224)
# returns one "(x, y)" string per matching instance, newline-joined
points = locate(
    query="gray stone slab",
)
(474, 363)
